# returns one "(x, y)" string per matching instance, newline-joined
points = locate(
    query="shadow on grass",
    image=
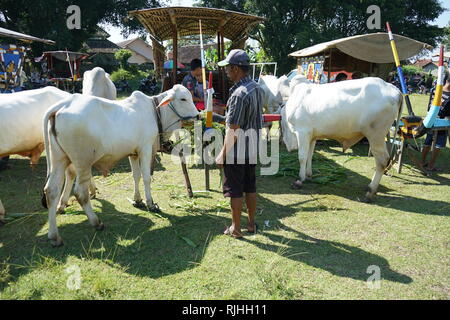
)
(337, 258)
(129, 241)
(351, 185)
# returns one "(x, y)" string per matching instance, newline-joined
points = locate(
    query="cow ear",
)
(166, 100)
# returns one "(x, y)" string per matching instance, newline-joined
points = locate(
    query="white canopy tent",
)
(23, 37)
(367, 53)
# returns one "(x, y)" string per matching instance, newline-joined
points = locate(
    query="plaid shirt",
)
(245, 110)
(245, 105)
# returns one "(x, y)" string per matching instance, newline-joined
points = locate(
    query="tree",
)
(122, 56)
(446, 39)
(294, 24)
(47, 19)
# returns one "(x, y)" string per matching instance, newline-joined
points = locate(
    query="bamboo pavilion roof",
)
(160, 21)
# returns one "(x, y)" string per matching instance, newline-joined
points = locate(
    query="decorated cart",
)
(12, 60)
(62, 68)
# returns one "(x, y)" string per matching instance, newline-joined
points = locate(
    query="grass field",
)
(315, 243)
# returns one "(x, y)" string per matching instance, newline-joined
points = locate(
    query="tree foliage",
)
(47, 19)
(122, 57)
(294, 24)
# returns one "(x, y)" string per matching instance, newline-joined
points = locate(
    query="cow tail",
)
(49, 129)
(49, 117)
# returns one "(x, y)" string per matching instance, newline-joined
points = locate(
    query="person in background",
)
(190, 81)
(441, 139)
(341, 77)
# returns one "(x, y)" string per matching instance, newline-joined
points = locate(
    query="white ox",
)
(276, 92)
(346, 111)
(97, 82)
(21, 115)
(94, 132)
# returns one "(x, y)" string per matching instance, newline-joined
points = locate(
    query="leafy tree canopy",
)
(294, 24)
(47, 19)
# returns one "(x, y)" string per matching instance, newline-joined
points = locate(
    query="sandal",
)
(229, 232)
(255, 230)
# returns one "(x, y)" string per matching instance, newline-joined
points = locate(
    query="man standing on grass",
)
(238, 156)
(441, 139)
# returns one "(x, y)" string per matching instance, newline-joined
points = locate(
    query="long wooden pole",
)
(175, 55)
(399, 70)
(437, 101)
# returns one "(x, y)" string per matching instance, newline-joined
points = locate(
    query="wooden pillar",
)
(219, 55)
(175, 56)
(175, 46)
(329, 66)
(224, 77)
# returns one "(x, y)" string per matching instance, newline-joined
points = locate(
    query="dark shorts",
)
(440, 141)
(239, 178)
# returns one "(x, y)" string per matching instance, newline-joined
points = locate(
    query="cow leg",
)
(70, 178)
(52, 192)
(145, 163)
(136, 169)
(309, 162)
(381, 155)
(304, 143)
(92, 189)
(84, 177)
(36, 154)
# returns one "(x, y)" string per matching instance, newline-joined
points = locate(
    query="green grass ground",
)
(318, 242)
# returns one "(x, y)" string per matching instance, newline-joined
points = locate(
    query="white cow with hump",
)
(345, 111)
(21, 115)
(276, 92)
(97, 83)
(91, 132)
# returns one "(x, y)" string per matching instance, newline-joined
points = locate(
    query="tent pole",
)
(329, 66)
(175, 56)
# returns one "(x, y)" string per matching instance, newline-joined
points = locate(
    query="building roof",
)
(130, 44)
(100, 46)
(187, 53)
(23, 37)
(372, 47)
(424, 62)
(160, 21)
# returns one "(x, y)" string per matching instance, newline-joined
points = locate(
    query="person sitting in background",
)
(441, 134)
(190, 81)
(341, 77)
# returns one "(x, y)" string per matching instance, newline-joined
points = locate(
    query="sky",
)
(442, 21)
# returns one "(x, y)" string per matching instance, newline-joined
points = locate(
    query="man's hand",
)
(220, 160)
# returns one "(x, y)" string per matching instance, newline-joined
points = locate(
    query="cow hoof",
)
(100, 226)
(366, 200)
(58, 242)
(297, 184)
(61, 210)
(154, 208)
(2, 222)
(139, 204)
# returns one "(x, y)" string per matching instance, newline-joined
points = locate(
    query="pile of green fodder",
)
(325, 171)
